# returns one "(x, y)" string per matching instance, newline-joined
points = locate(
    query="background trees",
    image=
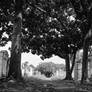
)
(12, 12)
(49, 68)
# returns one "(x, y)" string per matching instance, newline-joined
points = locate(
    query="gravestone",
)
(78, 71)
(3, 63)
(78, 68)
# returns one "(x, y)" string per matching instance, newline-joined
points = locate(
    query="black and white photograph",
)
(45, 45)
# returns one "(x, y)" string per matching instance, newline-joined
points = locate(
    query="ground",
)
(36, 85)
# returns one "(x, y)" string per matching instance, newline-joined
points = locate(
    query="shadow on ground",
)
(36, 85)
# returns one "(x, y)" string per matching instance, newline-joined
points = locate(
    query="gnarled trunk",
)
(68, 72)
(69, 69)
(15, 59)
(73, 62)
(85, 56)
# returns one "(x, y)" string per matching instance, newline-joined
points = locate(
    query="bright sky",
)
(34, 59)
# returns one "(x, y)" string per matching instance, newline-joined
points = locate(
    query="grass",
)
(34, 84)
(43, 77)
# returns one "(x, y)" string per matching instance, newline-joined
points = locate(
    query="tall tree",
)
(83, 9)
(11, 10)
(15, 59)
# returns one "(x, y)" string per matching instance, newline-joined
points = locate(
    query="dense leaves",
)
(54, 31)
(49, 26)
(49, 68)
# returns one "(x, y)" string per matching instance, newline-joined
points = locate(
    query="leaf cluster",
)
(48, 27)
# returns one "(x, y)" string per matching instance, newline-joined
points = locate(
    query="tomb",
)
(4, 63)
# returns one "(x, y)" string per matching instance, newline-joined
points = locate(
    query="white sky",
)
(34, 59)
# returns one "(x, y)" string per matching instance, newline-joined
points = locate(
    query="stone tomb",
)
(78, 66)
(3, 63)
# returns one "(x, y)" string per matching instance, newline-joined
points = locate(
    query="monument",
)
(4, 63)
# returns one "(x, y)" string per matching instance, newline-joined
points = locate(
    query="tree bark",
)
(85, 56)
(73, 62)
(68, 72)
(15, 59)
(84, 63)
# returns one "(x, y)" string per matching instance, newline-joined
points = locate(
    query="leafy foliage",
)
(54, 30)
(49, 68)
(49, 26)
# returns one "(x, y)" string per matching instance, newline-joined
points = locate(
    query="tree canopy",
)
(53, 30)
(49, 26)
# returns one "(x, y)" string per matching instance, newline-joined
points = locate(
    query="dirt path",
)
(35, 85)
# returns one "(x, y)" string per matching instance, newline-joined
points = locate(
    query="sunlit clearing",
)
(35, 60)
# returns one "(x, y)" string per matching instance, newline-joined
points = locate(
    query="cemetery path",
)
(35, 85)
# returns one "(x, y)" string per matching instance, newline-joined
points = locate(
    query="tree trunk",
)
(68, 72)
(15, 59)
(85, 56)
(84, 63)
(73, 62)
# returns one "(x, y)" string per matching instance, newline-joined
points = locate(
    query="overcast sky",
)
(34, 59)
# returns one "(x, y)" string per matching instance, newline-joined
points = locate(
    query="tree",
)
(15, 59)
(12, 13)
(57, 32)
(14, 67)
(58, 37)
(84, 14)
